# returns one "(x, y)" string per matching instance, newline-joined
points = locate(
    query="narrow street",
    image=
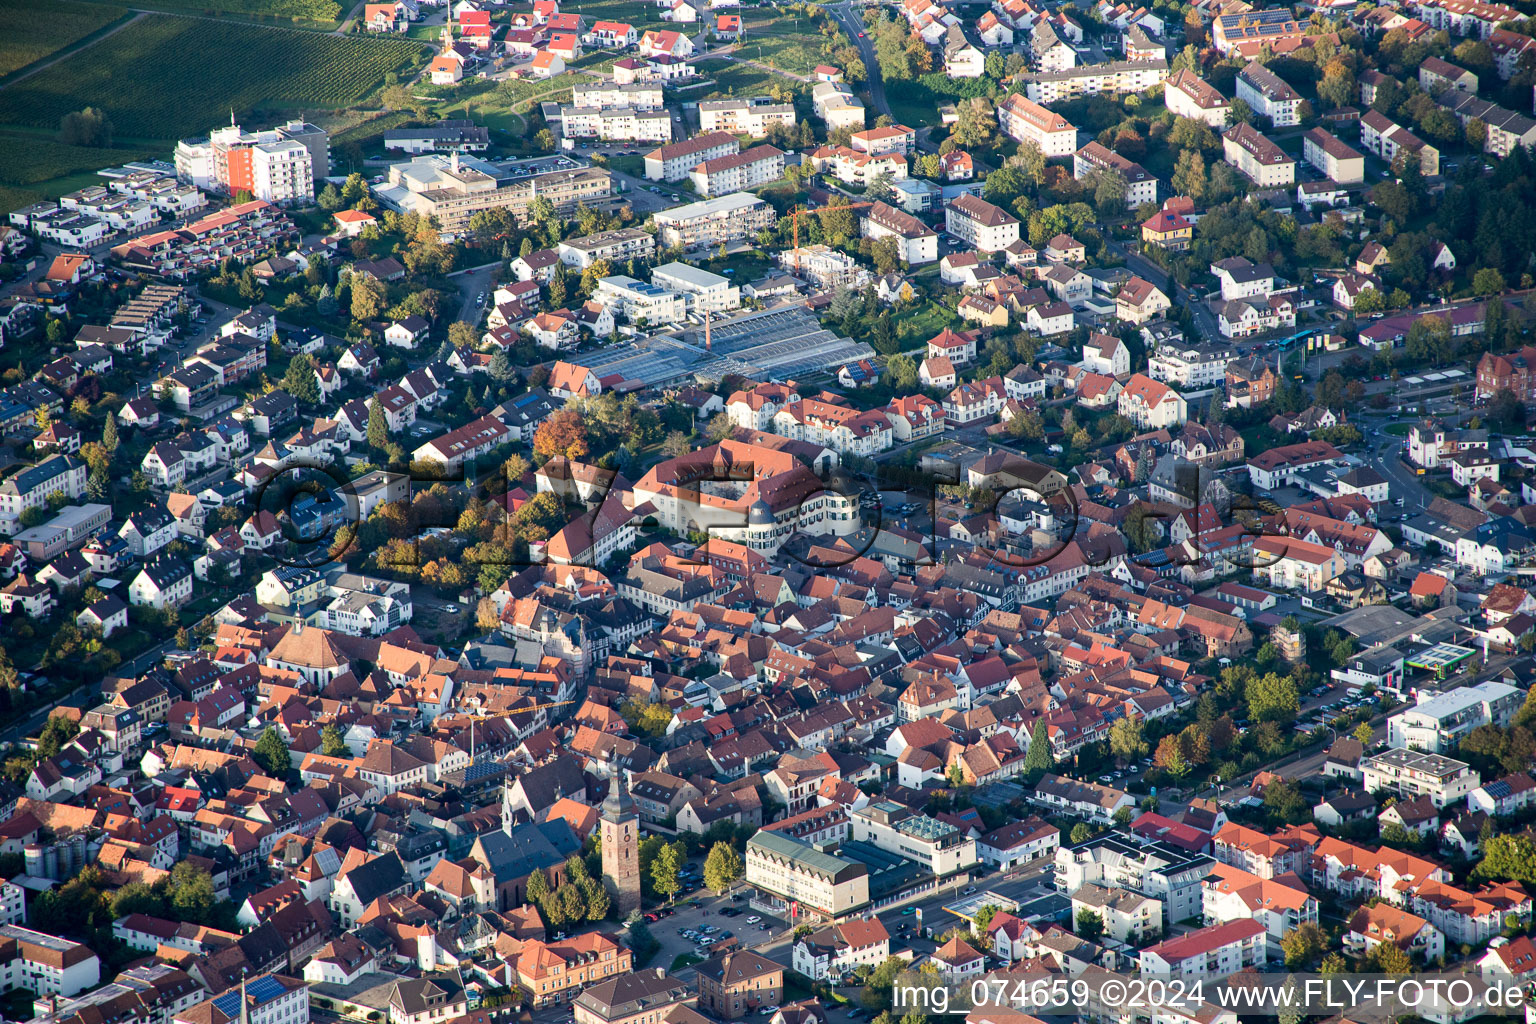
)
(854, 26)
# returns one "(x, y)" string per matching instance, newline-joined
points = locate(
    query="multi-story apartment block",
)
(615, 124)
(1126, 916)
(751, 117)
(1188, 367)
(1231, 894)
(454, 191)
(980, 224)
(1263, 162)
(1158, 870)
(940, 848)
(1189, 95)
(1506, 129)
(739, 983)
(1207, 954)
(638, 96)
(31, 488)
(1436, 724)
(674, 162)
(1024, 120)
(1409, 773)
(856, 167)
(714, 221)
(44, 964)
(704, 292)
(1267, 856)
(1473, 18)
(279, 165)
(1141, 184)
(1247, 31)
(1150, 404)
(1117, 78)
(264, 999)
(615, 246)
(836, 104)
(738, 171)
(891, 138)
(1379, 134)
(1268, 95)
(822, 884)
(916, 242)
(1338, 160)
(638, 301)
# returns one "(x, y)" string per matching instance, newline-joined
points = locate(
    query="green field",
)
(786, 42)
(30, 31)
(34, 167)
(730, 79)
(29, 159)
(166, 77)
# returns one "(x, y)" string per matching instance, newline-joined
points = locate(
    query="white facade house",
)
(1409, 773)
(980, 224)
(1268, 95)
(1437, 723)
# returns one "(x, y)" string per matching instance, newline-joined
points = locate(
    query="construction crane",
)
(794, 220)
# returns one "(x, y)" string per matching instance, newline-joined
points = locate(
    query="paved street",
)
(853, 24)
(475, 286)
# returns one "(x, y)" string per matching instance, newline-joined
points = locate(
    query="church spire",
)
(618, 802)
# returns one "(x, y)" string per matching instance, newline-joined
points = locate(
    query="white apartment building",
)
(702, 291)
(1268, 95)
(1229, 893)
(1117, 78)
(1151, 404)
(738, 171)
(267, 999)
(1141, 184)
(838, 950)
(916, 242)
(672, 163)
(980, 224)
(823, 884)
(856, 167)
(615, 246)
(1341, 162)
(941, 848)
(1263, 162)
(1408, 773)
(638, 95)
(751, 117)
(1188, 367)
(1381, 135)
(1437, 723)
(836, 104)
(708, 223)
(615, 124)
(638, 301)
(1210, 953)
(1169, 874)
(1024, 120)
(1189, 95)
(1127, 916)
(46, 964)
(844, 430)
(281, 172)
(31, 487)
